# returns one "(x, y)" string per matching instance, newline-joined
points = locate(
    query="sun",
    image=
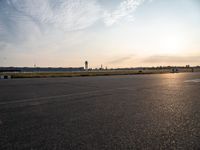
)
(171, 43)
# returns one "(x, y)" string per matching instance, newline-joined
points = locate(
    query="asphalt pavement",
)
(110, 112)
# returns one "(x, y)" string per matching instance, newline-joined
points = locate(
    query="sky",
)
(114, 33)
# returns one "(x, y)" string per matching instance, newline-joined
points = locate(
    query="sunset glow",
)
(116, 33)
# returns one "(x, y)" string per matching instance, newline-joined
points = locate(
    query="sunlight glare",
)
(171, 43)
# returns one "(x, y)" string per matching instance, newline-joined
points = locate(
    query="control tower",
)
(86, 65)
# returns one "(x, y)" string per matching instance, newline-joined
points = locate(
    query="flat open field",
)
(81, 73)
(159, 111)
(94, 73)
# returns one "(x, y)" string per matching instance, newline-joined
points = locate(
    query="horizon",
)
(103, 67)
(116, 33)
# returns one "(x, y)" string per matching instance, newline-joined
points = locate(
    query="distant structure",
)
(187, 66)
(86, 65)
(175, 70)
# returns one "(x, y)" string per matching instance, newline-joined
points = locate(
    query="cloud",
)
(29, 24)
(125, 9)
(156, 59)
(121, 60)
(67, 15)
(32, 23)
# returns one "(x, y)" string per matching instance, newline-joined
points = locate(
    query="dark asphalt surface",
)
(113, 112)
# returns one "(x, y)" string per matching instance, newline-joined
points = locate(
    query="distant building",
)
(187, 66)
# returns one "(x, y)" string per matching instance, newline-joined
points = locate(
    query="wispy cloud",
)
(32, 23)
(67, 15)
(121, 60)
(156, 59)
(125, 9)
(41, 22)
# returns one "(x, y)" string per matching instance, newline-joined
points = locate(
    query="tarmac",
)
(159, 111)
